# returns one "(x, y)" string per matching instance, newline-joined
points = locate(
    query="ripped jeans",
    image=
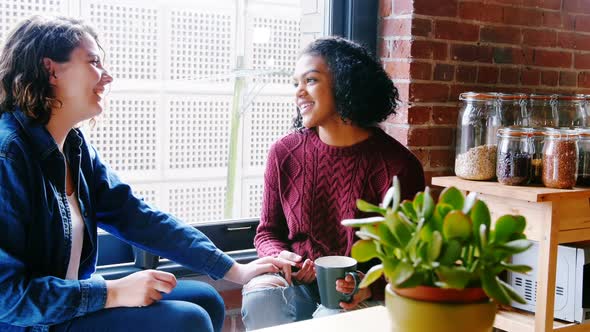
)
(268, 300)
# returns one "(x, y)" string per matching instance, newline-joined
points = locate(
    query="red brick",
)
(584, 79)
(383, 48)
(568, 78)
(426, 49)
(513, 55)
(397, 69)
(466, 74)
(481, 12)
(442, 158)
(428, 92)
(574, 41)
(404, 91)
(421, 27)
(444, 115)
(401, 7)
(394, 27)
(487, 75)
(541, 38)
(568, 21)
(583, 42)
(552, 19)
(576, 6)
(420, 70)
(549, 78)
(583, 23)
(457, 89)
(470, 53)
(399, 132)
(545, 4)
(422, 154)
(505, 35)
(400, 49)
(436, 8)
(509, 75)
(530, 77)
(523, 16)
(582, 61)
(444, 72)
(437, 136)
(385, 8)
(419, 115)
(456, 30)
(552, 59)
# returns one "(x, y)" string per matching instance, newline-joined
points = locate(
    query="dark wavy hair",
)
(24, 80)
(363, 92)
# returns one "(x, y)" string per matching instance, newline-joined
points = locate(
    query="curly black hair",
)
(24, 80)
(363, 92)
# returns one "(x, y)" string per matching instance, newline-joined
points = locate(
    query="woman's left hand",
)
(346, 286)
(242, 273)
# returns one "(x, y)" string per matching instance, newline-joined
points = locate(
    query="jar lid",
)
(584, 133)
(478, 96)
(512, 96)
(514, 132)
(540, 131)
(574, 98)
(562, 133)
(542, 97)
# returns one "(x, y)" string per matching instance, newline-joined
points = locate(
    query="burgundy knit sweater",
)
(309, 187)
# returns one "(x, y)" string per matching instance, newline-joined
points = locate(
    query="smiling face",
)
(79, 83)
(314, 94)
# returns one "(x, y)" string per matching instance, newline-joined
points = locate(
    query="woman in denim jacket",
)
(55, 191)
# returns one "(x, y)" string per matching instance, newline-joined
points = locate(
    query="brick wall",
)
(434, 50)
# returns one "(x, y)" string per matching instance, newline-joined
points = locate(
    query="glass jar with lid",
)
(571, 111)
(538, 137)
(543, 111)
(515, 150)
(584, 157)
(560, 158)
(477, 126)
(513, 110)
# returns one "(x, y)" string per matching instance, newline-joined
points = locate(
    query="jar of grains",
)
(571, 111)
(476, 136)
(515, 149)
(543, 111)
(584, 157)
(513, 111)
(538, 137)
(560, 158)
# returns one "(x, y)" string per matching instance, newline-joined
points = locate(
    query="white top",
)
(77, 237)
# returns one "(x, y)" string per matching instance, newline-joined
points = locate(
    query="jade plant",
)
(449, 244)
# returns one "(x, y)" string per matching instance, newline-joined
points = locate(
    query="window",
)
(202, 88)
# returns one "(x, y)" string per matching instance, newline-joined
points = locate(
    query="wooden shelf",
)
(553, 216)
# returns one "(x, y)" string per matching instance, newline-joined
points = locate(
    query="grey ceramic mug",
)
(330, 268)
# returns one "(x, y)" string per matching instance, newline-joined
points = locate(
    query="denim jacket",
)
(35, 227)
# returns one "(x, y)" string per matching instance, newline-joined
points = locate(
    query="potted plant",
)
(441, 260)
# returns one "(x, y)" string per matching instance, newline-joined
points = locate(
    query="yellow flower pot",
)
(409, 315)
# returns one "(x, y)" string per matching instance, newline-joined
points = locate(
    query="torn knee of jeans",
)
(265, 282)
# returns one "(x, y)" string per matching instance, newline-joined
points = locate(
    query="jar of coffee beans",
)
(515, 150)
(560, 158)
(584, 157)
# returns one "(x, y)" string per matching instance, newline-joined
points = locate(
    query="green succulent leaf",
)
(506, 226)
(453, 197)
(362, 221)
(364, 250)
(480, 215)
(389, 264)
(454, 277)
(407, 208)
(515, 247)
(368, 207)
(450, 253)
(492, 286)
(516, 267)
(511, 292)
(434, 246)
(365, 235)
(387, 198)
(397, 195)
(373, 274)
(469, 202)
(402, 230)
(402, 272)
(440, 212)
(457, 225)
(387, 237)
(416, 279)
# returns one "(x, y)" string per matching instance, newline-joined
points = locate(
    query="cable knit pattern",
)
(310, 187)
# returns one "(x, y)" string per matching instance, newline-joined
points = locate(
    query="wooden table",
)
(554, 216)
(373, 319)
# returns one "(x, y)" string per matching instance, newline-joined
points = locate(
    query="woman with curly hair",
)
(314, 175)
(55, 191)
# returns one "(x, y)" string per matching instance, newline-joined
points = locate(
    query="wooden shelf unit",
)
(554, 216)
